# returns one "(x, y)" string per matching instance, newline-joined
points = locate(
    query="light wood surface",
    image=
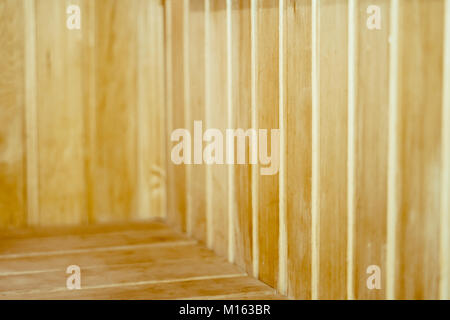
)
(371, 148)
(297, 50)
(13, 203)
(197, 109)
(267, 118)
(147, 261)
(419, 154)
(242, 118)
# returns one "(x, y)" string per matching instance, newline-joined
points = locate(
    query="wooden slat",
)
(197, 182)
(60, 116)
(176, 174)
(172, 290)
(333, 149)
(58, 245)
(297, 68)
(371, 141)
(104, 275)
(115, 181)
(242, 118)
(145, 253)
(217, 119)
(150, 110)
(267, 118)
(419, 148)
(12, 112)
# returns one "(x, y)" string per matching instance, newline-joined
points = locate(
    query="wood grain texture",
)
(115, 183)
(267, 117)
(419, 148)
(217, 119)
(371, 141)
(151, 110)
(176, 174)
(197, 182)
(145, 261)
(333, 149)
(60, 116)
(297, 71)
(13, 205)
(242, 118)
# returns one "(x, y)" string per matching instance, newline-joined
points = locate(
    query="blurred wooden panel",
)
(165, 290)
(333, 149)
(60, 116)
(267, 118)
(242, 118)
(297, 70)
(176, 174)
(421, 27)
(371, 141)
(151, 110)
(197, 181)
(12, 114)
(115, 183)
(217, 119)
(89, 101)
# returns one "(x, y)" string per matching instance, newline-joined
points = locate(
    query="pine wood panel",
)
(197, 180)
(371, 151)
(419, 148)
(115, 182)
(217, 119)
(176, 175)
(163, 291)
(297, 70)
(333, 149)
(165, 269)
(151, 110)
(267, 117)
(12, 114)
(59, 116)
(242, 118)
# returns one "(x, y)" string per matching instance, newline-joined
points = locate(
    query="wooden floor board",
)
(148, 261)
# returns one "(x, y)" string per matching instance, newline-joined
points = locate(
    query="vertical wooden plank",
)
(150, 111)
(371, 146)
(298, 145)
(445, 192)
(421, 26)
(89, 101)
(176, 174)
(197, 182)
(217, 119)
(60, 116)
(115, 186)
(12, 114)
(267, 69)
(333, 149)
(242, 118)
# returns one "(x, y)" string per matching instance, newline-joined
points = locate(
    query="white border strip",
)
(392, 152)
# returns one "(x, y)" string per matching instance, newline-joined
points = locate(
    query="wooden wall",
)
(364, 119)
(82, 112)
